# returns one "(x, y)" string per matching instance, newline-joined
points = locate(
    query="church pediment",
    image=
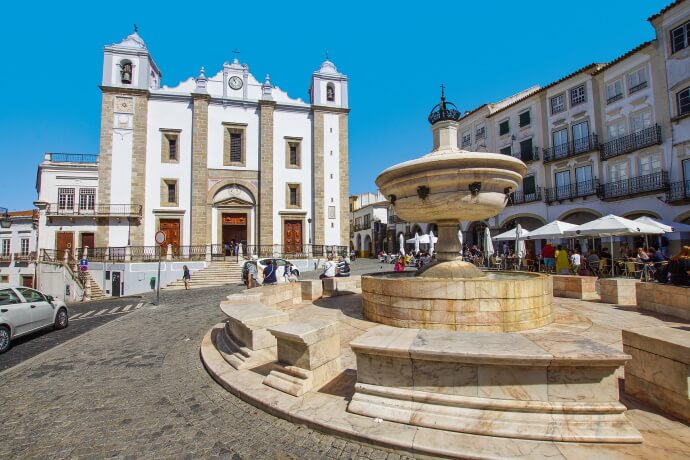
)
(233, 202)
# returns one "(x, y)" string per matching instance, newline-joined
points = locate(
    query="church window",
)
(293, 152)
(169, 195)
(170, 143)
(66, 198)
(234, 147)
(330, 92)
(126, 72)
(293, 196)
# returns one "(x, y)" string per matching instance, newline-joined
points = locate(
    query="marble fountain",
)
(451, 351)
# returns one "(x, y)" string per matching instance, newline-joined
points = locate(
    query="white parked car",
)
(24, 310)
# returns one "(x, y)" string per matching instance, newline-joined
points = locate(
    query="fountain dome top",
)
(444, 110)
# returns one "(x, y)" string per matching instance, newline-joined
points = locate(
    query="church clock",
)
(235, 82)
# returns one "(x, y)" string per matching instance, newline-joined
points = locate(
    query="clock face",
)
(235, 82)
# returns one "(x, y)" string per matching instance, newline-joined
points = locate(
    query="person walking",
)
(252, 272)
(562, 263)
(270, 273)
(575, 262)
(186, 277)
(548, 253)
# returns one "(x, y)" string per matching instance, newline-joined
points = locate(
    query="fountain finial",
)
(444, 110)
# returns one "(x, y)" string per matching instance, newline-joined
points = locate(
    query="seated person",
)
(329, 269)
(342, 269)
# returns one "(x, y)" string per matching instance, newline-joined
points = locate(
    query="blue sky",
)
(396, 55)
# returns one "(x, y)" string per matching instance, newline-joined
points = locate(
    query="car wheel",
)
(296, 272)
(4, 339)
(61, 320)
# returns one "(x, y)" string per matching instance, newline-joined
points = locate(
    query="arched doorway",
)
(528, 223)
(366, 250)
(475, 234)
(233, 216)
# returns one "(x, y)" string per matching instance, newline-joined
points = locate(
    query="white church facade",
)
(213, 159)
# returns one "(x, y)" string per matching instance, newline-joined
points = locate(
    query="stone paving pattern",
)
(136, 388)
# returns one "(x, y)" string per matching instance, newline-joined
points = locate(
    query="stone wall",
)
(664, 298)
(318, 185)
(659, 369)
(575, 287)
(138, 194)
(619, 291)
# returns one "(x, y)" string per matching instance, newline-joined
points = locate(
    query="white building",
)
(18, 248)
(610, 138)
(207, 161)
(369, 220)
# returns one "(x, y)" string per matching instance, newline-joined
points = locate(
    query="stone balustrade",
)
(575, 287)
(540, 386)
(308, 355)
(664, 298)
(659, 371)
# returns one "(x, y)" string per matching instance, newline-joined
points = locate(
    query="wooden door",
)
(28, 281)
(87, 240)
(293, 236)
(171, 228)
(63, 240)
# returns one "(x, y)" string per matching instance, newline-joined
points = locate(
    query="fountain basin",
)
(497, 302)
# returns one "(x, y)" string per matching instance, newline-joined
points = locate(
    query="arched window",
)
(126, 72)
(330, 92)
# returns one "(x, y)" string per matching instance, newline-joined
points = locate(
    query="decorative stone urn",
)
(450, 185)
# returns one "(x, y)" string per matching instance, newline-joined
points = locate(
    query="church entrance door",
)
(234, 228)
(293, 236)
(171, 229)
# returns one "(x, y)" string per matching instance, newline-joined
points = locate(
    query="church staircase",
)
(218, 273)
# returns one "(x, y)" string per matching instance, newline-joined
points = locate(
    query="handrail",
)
(54, 209)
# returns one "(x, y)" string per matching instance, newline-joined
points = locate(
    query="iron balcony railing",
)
(655, 182)
(631, 142)
(678, 192)
(614, 98)
(571, 149)
(636, 88)
(520, 197)
(364, 226)
(71, 158)
(54, 209)
(528, 156)
(571, 191)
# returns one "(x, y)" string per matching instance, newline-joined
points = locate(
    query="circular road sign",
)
(84, 268)
(160, 237)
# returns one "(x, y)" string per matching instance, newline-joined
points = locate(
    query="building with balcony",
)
(18, 247)
(608, 138)
(369, 221)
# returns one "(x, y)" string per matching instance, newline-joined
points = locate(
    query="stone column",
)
(344, 182)
(138, 194)
(265, 214)
(318, 184)
(199, 168)
(105, 160)
(448, 247)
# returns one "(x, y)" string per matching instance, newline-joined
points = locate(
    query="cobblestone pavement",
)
(136, 388)
(93, 313)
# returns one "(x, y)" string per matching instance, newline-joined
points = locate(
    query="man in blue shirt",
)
(270, 273)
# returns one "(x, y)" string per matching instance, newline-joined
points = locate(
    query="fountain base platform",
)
(494, 302)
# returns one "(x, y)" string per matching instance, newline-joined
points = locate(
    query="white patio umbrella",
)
(510, 235)
(416, 242)
(519, 242)
(667, 227)
(611, 226)
(432, 242)
(550, 231)
(460, 239)
(402, 244)
(488, 245)
(423, 239)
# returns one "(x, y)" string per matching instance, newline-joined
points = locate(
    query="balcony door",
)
(618, 179)
(584, 180)
(686, 178)
(562, 185)
(581, 137)
(560, 143)
(529, 188)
